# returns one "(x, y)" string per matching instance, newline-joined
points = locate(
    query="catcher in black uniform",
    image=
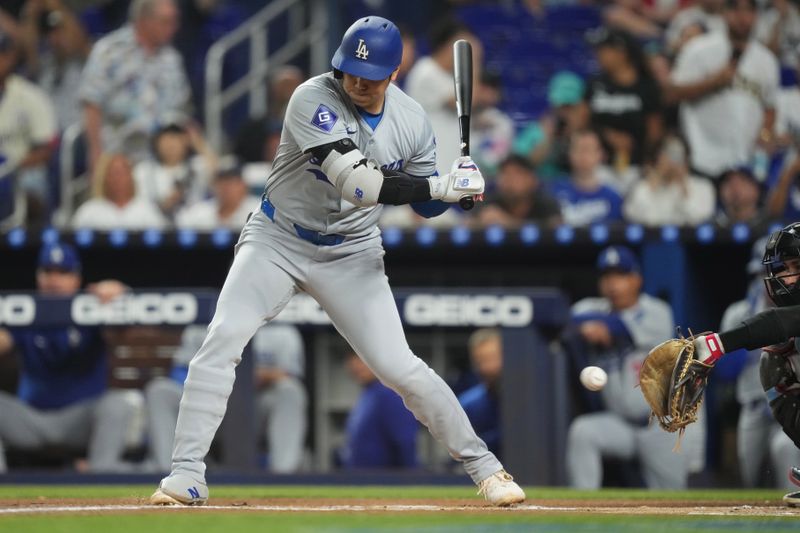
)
(675, 373)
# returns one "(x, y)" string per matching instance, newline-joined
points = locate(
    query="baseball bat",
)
(462, 75)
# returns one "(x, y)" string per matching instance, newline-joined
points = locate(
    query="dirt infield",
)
(84, 506)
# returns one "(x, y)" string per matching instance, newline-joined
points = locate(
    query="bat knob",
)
(467, 203)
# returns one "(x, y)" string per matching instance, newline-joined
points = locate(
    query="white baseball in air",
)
(593, 378)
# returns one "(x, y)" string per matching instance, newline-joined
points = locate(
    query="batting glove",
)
(463, 180)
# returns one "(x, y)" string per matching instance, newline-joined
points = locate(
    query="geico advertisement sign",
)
(142, 308)
(463, 310)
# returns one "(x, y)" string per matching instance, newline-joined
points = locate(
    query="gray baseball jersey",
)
(320, 112)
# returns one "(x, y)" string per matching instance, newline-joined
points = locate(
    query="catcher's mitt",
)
(672, 382)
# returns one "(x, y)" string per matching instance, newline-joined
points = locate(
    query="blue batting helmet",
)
(371, 49)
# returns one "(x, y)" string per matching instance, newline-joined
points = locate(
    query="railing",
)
(72, 186)
(307, 29)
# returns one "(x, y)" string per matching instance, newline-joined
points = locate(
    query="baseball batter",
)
(351, 141)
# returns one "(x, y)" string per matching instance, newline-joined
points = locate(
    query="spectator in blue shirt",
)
(482, 402)
(62, 398)
(380, 431)
(583, 197)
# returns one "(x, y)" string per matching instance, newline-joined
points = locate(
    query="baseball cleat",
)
(180, 489)
(792, 499)
(499, 489)
(794, 475)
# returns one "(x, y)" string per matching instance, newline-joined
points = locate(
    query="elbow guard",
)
(357, 179)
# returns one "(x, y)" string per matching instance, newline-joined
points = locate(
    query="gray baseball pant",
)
(100, 425)
(757, 435)
(348, 280)
(594, 436)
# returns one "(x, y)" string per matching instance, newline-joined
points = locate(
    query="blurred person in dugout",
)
(430, 82)
(229, 208)
(482, 401)
(615, 331)
(115, 203)
(518, 196)
(180, 171)
(134, 77)
(27, 133)
(281, 401)
(63, 399)
(380, 431)
(669, 193)
(762, 446)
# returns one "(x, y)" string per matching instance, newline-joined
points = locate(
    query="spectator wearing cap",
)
(583, 197)
(758, 435)
(132, 80)
(27, 133)
(518, 196)
(281, 403)
(115, 203)
(546, 142)
(616, 331)
(669, 194)
(56, 47)
(180, 172)
(726, 84)
(740, 195)
(624, 99)
(63, 397)
(229, 208)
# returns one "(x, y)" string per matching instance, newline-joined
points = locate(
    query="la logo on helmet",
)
(361, 50)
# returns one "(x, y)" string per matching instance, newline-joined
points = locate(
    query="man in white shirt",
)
(132, 80)
(117, 205)
(726, 83)
(27, 129)
(430, 82)
(229, 208)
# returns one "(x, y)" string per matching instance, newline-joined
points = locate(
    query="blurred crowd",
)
(690, 117)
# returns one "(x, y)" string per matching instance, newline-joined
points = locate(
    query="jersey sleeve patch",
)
(324, 118)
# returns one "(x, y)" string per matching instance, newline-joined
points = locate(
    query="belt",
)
(314, 237)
